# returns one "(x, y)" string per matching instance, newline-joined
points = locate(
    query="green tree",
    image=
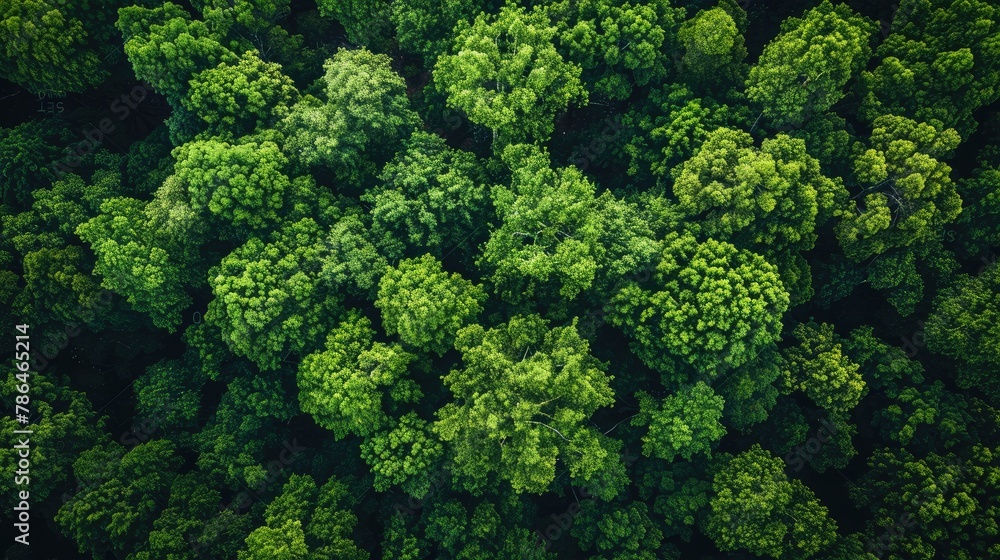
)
(505, 73)
(928, 418)
(708, 304)
(755, 507)
(167, 48)
(242, 184)
(64, 425)
(770, 198)
(714, 50)
(819, 367)
(939, 65)
(123, 492)
(684, 424)
(431, 198)
(361, 123)
(32, 155)
(620, 532)
(555, 232)
(965, 326)
(907, 188)
(237, 99)
(53, 46)
(307, 523)
(269, 297)
(618, 45)
(424, 27)
(351, 262)
(140, 260)
(670, 126)
(521, 402)
(365, 21)
(803, 71)
(425, 305)
(946, 495)
(403, 455)
(344, 385)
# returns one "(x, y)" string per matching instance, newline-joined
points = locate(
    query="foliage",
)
(803, 71)
(505, 74)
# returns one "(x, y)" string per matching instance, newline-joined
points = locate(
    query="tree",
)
(140, 261)
(49, 46)
(670, 126)
(403, 455)
(307, 523)
(485, 531)
(191, 504)
(242, 184)
(964, 326)
(521, 402)
(365, 21)
(924, 419)
(771, 198)
(505, 73)
(64, 425)
(555, 232)
(908, 192)
(269, 298)
(756, 507)
(622, 531)
(124, 490)
(344, 385)
(237, 99)
(803, 71)
(616, 44)
(425, 305)
(31, 157)
(939, 64)
(708, 304)
(351, 262)
(819, 367)
(424, 27)
(166, 48)
(714, 50)
(361, 123)
(432, 198)
(684, 424)
(946, 495)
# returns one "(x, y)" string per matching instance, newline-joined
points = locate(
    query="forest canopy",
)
(500, 279)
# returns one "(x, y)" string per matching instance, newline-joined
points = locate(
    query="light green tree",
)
(361, 123)
(505, 73)
(755, 507)
(820, 367)
(237, 99)
(522, 400)
(906, 187)
(707, 305)
(269, 300)
(343, 386)
(425, 305)
(803, 71)
(683, 424)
